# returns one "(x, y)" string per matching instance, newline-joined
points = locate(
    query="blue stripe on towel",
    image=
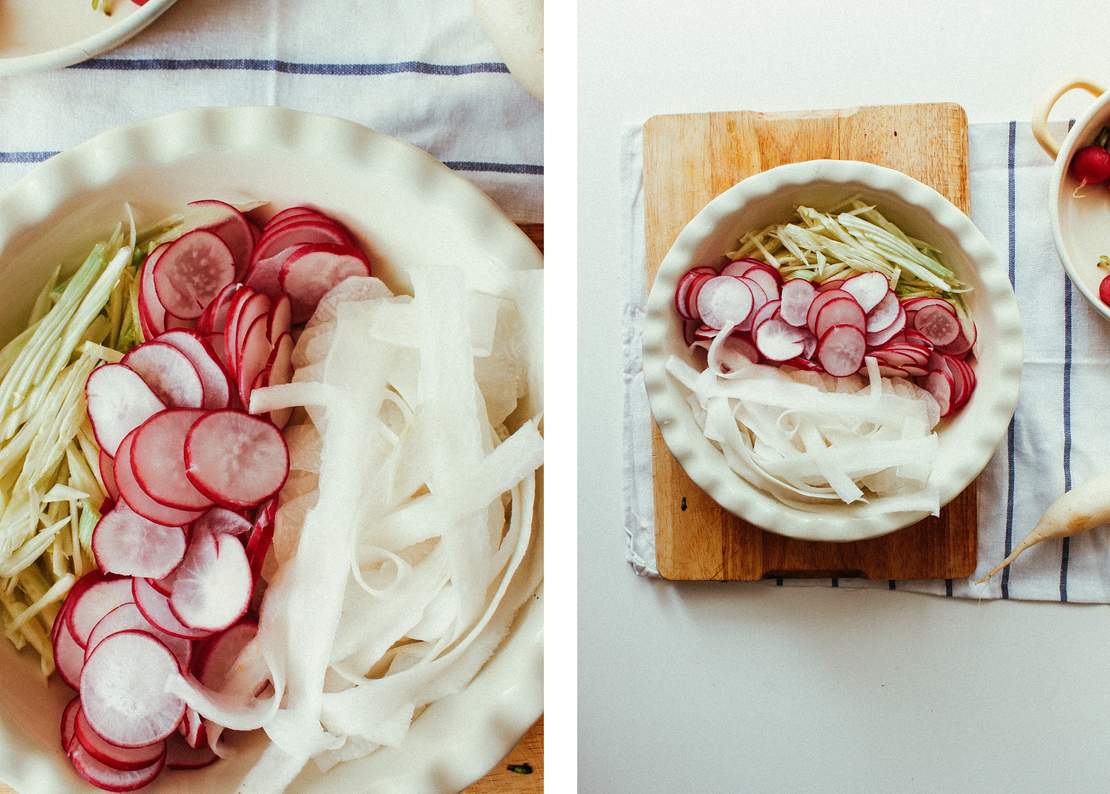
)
(890, 584)
(1065, 550)
(9, 158)
(24, 157)
(290, 67)
(1010, 431)
(948, 587)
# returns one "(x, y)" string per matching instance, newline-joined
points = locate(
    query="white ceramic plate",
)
(36, 35)
(966, 440)
(409, 211)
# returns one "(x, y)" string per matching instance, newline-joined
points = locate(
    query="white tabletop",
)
(711, 687)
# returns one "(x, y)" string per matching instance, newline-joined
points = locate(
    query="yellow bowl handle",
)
(1040, 113)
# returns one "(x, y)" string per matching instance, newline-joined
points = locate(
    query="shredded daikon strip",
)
(806, 438)
(403, 541)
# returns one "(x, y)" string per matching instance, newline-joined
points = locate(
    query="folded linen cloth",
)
(1060, 433)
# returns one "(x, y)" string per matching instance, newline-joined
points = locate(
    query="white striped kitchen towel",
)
(1060, 435)
(422, 70)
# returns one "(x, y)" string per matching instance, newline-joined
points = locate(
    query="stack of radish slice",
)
(192, 482)
(830, 328)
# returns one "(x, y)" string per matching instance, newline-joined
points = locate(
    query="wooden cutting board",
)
(689, 159)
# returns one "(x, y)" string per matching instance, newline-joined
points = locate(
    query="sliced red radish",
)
(173, 322)
(766, 277)
(213, 588)
(262, 534)
(252, 357)
(69, 721)
(179, 755)
(809, 343)
(729, 356)
(165, 584)
(129, 616)
(107, 778)
(264, 273)
(939, 325)
(94, 602)
(252, 307)
(310, 272)
(125, 759)
(912, 337)
(192, 728)
(842, 311)
(220, 521)
(108, 475)
(797, 295)
(214, 316)
(228, 224)
(298, 231)
(884, 313)
(127, 544)
(193, 271)
(169, 373)
(69, 657)
(835, 283)
(681, 292)
(123, 690)
(803, 363)
(939, 384)
(724, 300)
(214, 381)
(695, 291)
(235, 459)
(688, 329)
(158, 460)
(156, 608)
(823, 297)
(752, 265)
(280, 371)
(152, 315)
(778, 341)
(882, 337)
(139, 500)
(840, 350)
(118, 401)
(759, 295)
(867, 288)
(280, 319)
(218, 653)
(766, 312)
(962, 344)
(292, 212)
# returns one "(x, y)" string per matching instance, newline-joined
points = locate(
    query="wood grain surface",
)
(689, 159)
(521, 771)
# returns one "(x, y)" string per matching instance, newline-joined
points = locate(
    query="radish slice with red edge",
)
(123, 690)
(280, 319)
(939, 385)
(766, 312)
(105, 777)
(221, 521)
(311, 271)
(156, 608)
(253, 354)
(108, 475)
(939, 325)
(261, 538)
(214, 316)
(93, 603)
(139, 500)
(882, 337)
(212, 590)
(118, 401)
(214, 382)
(169, 373)
(819, 302)
(246, 312)
(842, 311)
(218, 653)
(766, 278)
(179, 755)
(191, 273)
(280, 371)
(298, 231)
(867, 288)
(125, 543)
(836, 283)
(69, 657)
(778, 341)
(840, 350)
(292, 212)
(152, 315)
(158, 460)
(724, 300)
(235, 459)
(125, 759)
(69, 721)
(749, 266)
(797, 295)
(192, 728)
(884, 313)
(227, 223)
(129, 616)
(263, 274)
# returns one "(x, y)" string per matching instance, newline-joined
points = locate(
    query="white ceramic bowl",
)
(406, 208)
(1080, 226)
(37, 36)
(966, 441)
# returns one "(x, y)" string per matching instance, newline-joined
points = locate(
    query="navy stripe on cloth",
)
(1011, 201)
(948, 587)
(290, 67)
(8, 158)
(1065, 550)
(890, 584)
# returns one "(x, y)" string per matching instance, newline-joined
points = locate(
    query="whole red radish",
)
(1104, 290)
(1091, 164)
